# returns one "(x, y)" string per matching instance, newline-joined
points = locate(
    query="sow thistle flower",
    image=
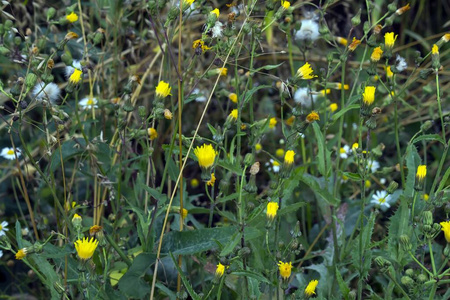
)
(199, 47)
(163, 89)
(21, 254)
(233, 97)
(445, 227)
(288, 163)
(234, 114)
(355, 43)
(420, 177)
(311, 288)
(86, 248)
(74, 80)
(333, 107)
(389, 41)
(72, 17)
(312, 116)
(152, 133)
(271, 212)
(206, 156)
(436, 64)
(272, 123)
(376, 54)
(305, 72)
(212, 180)
(220, 270)
(285, 4)
(285, 269)
(368, 97)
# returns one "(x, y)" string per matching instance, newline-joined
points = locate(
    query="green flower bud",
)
(392, 187)
(371, 123)
(30, 80)
(422, 278)
(128, 106)
(408, 281)
(427, 218)
(427, 125)
(142, 111)
(356, 20)
(409, 272)
(392, 7)
(404, 242)
(50, 13)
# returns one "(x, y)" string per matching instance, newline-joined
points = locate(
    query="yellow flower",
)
(435, 49)
(402, 10)
(167, 114)
(325, 92)
(188, 2)
(333, 107)
(389, 40)
(305, 72)
(258, 147)
(367, 184)
(86, 248)
(272, 122)
(205, 155)
(234, 114)
(152, 133)
(76, 217)
(216, 12)
(389, 73)
(289, 157)
(446, 229)
(184, 213)
(212, 180)
(233, 97)
(70, 35)
(354, 44)
(94, 229)
(355, 146)
(220, 270)
(312, 116)
(279, 152)
(421, 172)
(376, 54)
(311, 288)
(369, 95)
(285, 269)
(425, 197)
(76, 76)
(285, 4)
(223, 71)
(342, 41)
(200, 44)
(73, 17)
(163, 89)
(21, 253)
(339, 86)
(194, 182)
(290, 120)
(446, 37)
(272, 208)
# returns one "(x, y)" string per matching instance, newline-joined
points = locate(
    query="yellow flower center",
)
(10, 152)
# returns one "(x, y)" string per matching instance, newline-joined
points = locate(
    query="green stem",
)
(414, 203)
(432, 257)
(438, 96)
(420, 264)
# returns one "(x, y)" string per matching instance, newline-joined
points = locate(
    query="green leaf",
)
(429, 137)
(443, 180)
(352, 176)
(186, 282)
(345, 290)
(399, 224)
(292, 208)
(324, 155)
(318, 190)
(19, 235)
(251, 274)
(267, 67)
(253, 90)
(340, 113)
(131, 283)
(231, 244)
(412, 161)
(69, 149)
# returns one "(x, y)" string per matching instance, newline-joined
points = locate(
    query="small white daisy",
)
(8, 153)
(382, 180)
(3, 228)
(42, 91)
(345, 151)
(400, 63)
(200, 96)
(381, 198)
(275, 166)
(308, 31)
(87, 103)
(217, 30)
(303, 96)
(373, 165)
(301, 135)
(76, 64)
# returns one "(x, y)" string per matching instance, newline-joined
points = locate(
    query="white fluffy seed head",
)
(308, 31)
(49, 92)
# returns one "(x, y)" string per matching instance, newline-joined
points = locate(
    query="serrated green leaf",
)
(443, 180)
(186, 282)
(231, 244)
(345, 290)
(318, 190)
(399, 224)
(352, 176)
(429, 137)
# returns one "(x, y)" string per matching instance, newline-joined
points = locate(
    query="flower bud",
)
(408, 281)
(30, 81)
(356, 20)
(404, 242)
(427, 218)
(427, 125)
(409, 272)
(50, 13)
